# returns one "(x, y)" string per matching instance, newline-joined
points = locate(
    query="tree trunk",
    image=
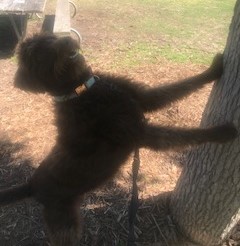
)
(206, 201)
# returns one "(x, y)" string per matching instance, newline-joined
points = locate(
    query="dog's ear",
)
(24, 51)
(36, 50)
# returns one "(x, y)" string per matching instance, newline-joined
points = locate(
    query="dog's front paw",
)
(224, 133)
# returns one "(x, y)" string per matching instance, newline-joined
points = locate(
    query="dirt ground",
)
(27, 134)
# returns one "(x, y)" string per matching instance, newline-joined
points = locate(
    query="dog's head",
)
(50, 64)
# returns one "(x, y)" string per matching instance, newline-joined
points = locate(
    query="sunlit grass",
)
(140, 53)
(180, 30)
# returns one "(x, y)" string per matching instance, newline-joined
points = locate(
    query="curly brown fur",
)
(98, 129)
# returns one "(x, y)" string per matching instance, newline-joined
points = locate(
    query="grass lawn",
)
(182, 31)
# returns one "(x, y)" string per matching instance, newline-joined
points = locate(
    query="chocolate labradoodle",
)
(100, 121)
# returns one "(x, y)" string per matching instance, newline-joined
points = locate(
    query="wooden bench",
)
(62, 26)
(59, 23)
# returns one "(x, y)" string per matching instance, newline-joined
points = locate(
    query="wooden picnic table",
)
(22, 6)
(14, 15)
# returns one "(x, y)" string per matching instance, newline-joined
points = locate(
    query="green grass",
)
(179, 30)
(139, 53)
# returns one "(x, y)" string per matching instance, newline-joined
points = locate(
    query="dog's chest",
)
(108, 115)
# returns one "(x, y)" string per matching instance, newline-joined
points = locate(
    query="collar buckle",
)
(86, 85)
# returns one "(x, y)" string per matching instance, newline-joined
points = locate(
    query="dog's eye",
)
(73, 54)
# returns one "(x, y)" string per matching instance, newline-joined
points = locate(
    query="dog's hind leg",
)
(64, 224)
(163, 138)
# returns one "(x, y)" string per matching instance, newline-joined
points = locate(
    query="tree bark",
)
(206, 201)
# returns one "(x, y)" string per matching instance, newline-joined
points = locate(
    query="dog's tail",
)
(15, 194)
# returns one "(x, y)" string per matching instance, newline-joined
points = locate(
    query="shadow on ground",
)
(20, 223)
(106, 217)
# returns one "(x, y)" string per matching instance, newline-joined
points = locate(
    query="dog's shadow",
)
(105, 210)
(20, 224)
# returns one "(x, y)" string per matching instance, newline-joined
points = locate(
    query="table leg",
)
(23, 26)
